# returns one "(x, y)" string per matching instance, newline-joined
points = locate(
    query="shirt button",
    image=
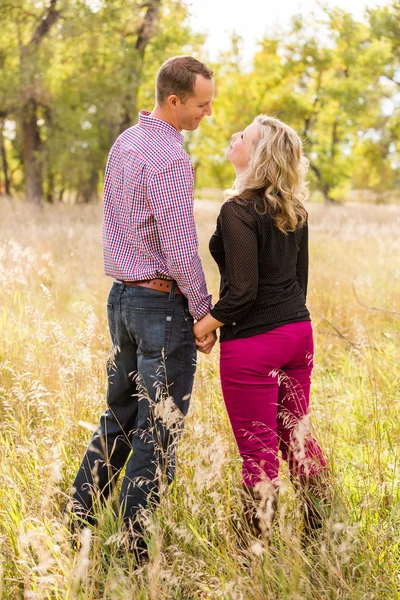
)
(234, 323)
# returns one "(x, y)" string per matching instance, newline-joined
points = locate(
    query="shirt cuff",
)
(214, 314)
(203, 308)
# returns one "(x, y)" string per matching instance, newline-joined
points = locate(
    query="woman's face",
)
(240, 149)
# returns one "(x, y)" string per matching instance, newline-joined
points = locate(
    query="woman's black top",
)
(264, 272)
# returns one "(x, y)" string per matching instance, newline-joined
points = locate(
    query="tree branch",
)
(388, 310)
(316, 171)
(148, 25)
(392, 79)
(45, 24)
(338, 333)
(308, 120)
(342, 336)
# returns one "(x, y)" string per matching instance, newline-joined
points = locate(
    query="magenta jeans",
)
(266, 382)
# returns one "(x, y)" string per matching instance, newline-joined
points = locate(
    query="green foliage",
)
(329, 86)
(83, 79)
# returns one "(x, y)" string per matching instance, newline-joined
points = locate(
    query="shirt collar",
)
(145, 120)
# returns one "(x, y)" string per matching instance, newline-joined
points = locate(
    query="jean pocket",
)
(186, 314)
(150, 329)
(111, 323)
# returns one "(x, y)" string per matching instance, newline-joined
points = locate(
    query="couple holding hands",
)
(160, 312)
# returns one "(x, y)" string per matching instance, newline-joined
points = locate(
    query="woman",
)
(261, 248)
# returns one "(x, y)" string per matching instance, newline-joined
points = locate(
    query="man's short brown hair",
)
(178, 75)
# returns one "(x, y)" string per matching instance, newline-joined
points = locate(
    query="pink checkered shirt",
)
(149, 229)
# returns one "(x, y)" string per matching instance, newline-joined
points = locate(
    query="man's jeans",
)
(150, 378)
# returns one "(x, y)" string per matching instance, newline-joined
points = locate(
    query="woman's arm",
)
(206, 325)
(239, 236)
(241, 270)
(302, 261)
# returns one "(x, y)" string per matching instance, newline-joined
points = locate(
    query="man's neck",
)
(164, 115)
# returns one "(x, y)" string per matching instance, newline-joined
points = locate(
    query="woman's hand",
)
(204, 333)
(206, 343)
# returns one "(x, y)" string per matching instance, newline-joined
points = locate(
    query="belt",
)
(161, 285)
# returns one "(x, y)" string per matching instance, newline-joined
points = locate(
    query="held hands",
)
(206, 343)
(204, 333)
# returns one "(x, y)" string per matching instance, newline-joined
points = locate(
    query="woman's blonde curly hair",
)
(276, 175)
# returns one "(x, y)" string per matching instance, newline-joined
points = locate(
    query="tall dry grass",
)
(53, 347)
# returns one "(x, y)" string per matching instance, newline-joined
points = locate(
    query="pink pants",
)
(266, 382)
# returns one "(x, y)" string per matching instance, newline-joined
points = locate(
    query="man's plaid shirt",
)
(149, 229)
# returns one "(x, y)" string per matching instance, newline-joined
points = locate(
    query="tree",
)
(329, 87)
(385, 27)
(74, 74)
(81, 67)
(31, 28)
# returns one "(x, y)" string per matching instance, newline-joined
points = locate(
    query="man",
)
(151, 251)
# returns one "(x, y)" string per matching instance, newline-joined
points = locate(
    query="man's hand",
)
(204, 333)
(206, 343)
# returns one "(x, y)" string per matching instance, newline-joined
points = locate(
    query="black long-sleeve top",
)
(264, 272)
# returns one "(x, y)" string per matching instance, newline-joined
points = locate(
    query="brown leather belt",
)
(161, 285)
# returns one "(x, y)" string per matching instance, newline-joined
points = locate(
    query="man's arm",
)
(170, 194)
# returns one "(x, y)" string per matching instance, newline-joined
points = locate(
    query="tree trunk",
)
(31, 150)
(145, 33)
(49, 177)
(324, 187)
(50, 189)
(4, 163)
(89, 189)
(31, 97)
(327, 197)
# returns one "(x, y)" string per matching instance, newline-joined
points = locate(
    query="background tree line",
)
(74, 73)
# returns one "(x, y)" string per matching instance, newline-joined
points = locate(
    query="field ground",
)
(53, 347)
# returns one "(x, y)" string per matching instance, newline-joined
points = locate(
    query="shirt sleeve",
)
(170, 194)
(239, 235)
(302, 260)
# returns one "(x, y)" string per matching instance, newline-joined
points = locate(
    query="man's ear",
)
(172, 100)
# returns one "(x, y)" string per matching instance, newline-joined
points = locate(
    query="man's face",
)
(189, 113)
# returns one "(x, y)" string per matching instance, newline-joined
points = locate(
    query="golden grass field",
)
(53, 347)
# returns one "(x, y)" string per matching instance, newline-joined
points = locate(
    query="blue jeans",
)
(150, 378)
